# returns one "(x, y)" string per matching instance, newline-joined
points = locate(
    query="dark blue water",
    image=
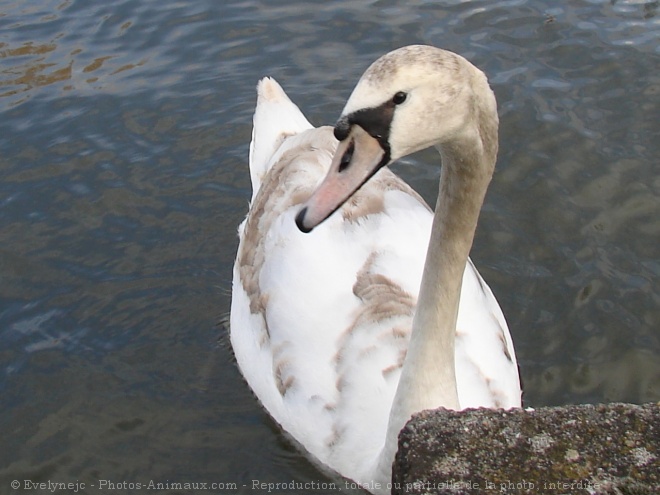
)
(124, 131)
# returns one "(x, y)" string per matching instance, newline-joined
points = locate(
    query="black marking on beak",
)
(375, 120)
(300, 218)
(346, 157)
(342, 128)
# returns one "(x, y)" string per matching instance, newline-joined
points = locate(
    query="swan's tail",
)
(275, 118)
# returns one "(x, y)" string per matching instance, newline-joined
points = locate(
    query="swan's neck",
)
(428, 377)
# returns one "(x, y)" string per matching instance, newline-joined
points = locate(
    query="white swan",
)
(331, 329)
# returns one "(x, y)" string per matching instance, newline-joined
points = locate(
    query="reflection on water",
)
(59, 56)
(125, 130)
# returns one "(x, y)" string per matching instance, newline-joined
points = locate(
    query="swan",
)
(342, 322)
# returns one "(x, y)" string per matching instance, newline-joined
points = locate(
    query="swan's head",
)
(408, 100)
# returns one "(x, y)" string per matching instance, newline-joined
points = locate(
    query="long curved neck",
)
(428, 377)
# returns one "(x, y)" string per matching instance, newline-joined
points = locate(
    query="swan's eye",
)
(399, 98)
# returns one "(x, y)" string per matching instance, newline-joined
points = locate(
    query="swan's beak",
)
(358, 157)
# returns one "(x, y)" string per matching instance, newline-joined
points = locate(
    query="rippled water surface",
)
(124, 131)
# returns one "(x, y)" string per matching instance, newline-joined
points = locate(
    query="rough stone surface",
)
(586, 449)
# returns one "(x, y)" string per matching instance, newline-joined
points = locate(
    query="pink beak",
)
(356, 159)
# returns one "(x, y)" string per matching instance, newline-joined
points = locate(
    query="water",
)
(124, 132)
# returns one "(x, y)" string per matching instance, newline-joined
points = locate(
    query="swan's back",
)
(320, 322)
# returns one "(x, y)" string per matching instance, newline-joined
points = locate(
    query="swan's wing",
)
(320, 321)
(486, 366)
(275, 118)
(280, 278)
